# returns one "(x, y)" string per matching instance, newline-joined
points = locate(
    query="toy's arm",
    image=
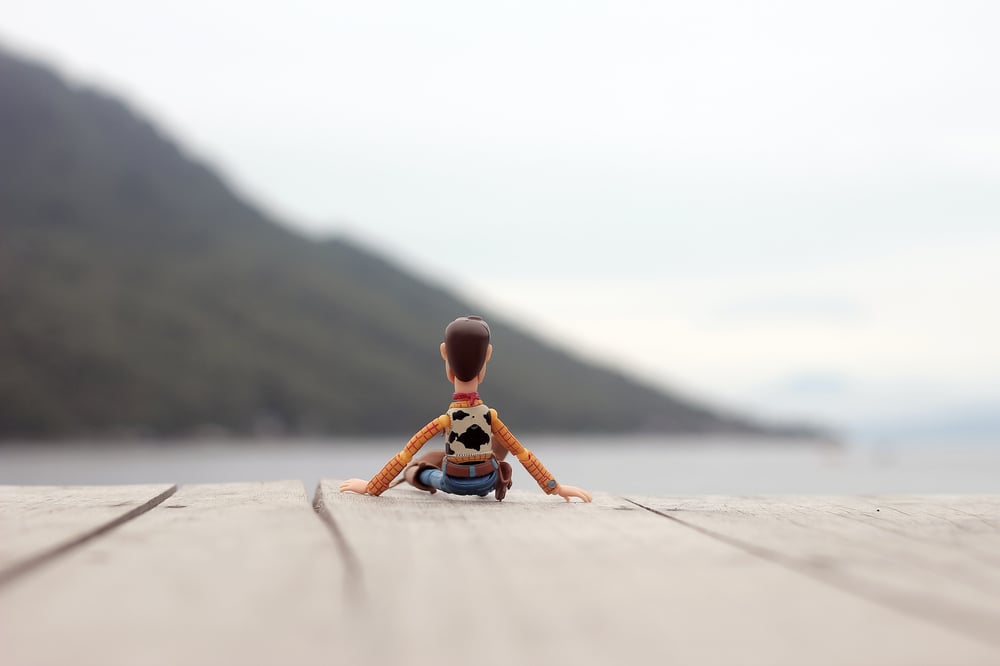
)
(545, 480)
(380, 482)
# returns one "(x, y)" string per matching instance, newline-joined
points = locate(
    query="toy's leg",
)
(430, 478)
(414, 472)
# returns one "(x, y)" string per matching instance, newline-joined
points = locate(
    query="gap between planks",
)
(240, 573)
(979, 628)
(31, 562)
(23, 566)
(354, 573)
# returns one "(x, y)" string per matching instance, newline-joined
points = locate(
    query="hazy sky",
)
(787, 206)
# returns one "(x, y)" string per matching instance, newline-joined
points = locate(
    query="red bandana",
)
(470, 397)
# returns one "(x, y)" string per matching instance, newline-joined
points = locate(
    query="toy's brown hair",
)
(466, 341)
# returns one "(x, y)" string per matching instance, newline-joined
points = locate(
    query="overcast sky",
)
(790, 207)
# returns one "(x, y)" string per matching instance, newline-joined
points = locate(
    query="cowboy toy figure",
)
(476, 440)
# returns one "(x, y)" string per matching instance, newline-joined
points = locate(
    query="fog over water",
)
(612, 463)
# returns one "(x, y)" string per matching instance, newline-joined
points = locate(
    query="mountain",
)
(139, 293)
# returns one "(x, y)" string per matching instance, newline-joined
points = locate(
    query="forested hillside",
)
(139, 293)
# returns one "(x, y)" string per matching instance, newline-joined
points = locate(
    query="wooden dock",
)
(255, 573)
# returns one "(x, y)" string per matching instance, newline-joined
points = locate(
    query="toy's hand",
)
(572, 491)
(359, 486)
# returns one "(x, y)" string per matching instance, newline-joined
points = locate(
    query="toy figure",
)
(476, 440)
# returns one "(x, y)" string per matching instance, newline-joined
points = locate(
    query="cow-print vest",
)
(469, 437)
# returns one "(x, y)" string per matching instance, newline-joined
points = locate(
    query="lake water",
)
(613, 463)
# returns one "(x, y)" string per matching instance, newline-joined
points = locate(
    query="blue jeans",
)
(476, 485)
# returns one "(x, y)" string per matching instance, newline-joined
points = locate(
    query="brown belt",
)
(460, 471)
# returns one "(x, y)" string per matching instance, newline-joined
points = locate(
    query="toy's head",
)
(466, 348)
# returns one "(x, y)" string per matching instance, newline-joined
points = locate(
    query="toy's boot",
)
(431, 460)
(504, 480)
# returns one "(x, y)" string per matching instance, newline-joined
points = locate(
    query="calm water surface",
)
(617, 464)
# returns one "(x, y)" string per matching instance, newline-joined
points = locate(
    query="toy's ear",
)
(447, 368)
(489, 354)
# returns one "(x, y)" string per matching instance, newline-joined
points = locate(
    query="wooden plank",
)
(234, 573)
(967, 523)
(535, 580)
(37, 523)
(927, 557)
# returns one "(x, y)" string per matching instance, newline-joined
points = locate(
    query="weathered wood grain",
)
(220, 574)
(969, 523)
(37, 523)
(249, 574)
(456, 580)
(930, 557)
